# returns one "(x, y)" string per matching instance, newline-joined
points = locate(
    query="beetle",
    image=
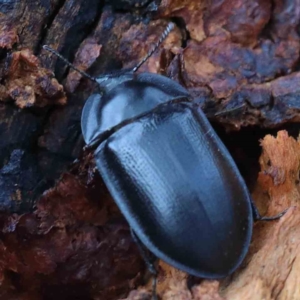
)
(168, 171)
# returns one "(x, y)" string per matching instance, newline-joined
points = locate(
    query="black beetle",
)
(168, 171)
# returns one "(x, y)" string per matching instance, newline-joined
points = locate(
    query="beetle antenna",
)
(229, 110)
(166, 32)
(84, 74)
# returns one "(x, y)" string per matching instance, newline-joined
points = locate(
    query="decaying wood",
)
(30, 85)
(272, 270)
(61, 235)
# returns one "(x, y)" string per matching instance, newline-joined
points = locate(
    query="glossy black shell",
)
(172, 177)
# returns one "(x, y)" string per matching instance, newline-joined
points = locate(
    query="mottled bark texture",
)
(61, 235)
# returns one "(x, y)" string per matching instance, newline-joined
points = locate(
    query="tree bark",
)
(61, 235)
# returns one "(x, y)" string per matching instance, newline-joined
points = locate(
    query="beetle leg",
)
(258, 217)
(223, 112)
(150, 266)
(226, 111)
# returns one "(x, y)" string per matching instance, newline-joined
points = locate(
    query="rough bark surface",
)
(61, 235)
